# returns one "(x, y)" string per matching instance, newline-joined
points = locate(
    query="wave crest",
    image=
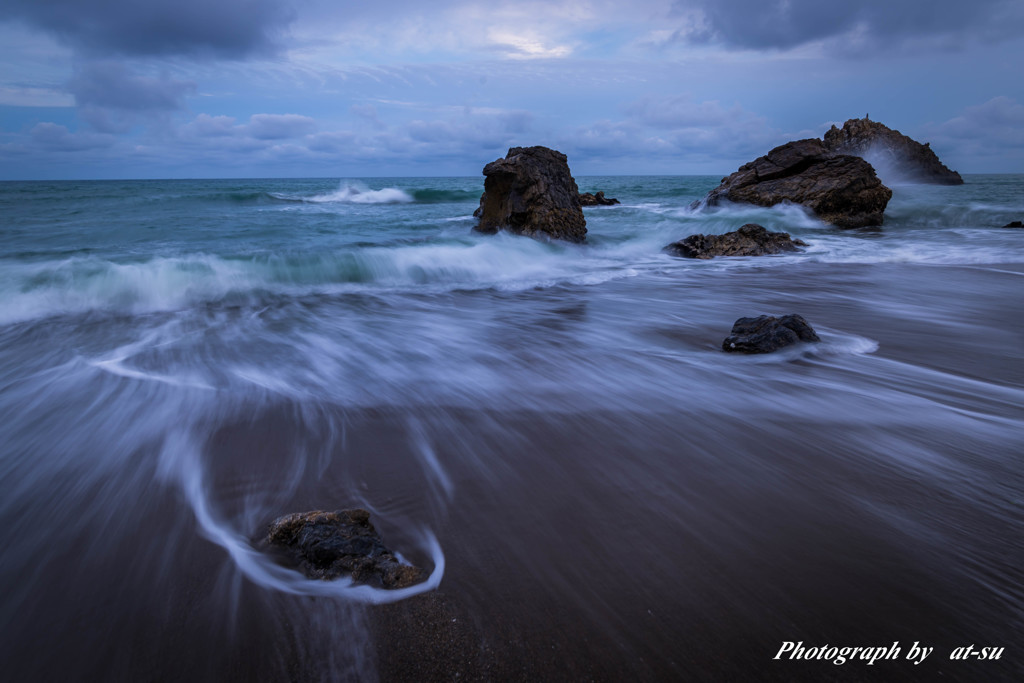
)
(357, 193)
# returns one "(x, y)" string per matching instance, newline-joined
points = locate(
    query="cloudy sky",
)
(266, 88)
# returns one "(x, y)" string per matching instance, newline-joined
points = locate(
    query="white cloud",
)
(530, 29)
(525, 46)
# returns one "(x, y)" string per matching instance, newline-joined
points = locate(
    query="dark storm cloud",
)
(113, 99)
(861, 24)
(981, 135)
(112, 85)
(279, 126)
(58, 138)
(223, 28)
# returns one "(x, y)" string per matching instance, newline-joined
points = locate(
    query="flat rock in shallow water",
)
(750, 240)
(327, 545)
(1014, 224)
(766, 333)
(587, 199)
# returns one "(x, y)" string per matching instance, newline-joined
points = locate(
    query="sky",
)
(331, 88)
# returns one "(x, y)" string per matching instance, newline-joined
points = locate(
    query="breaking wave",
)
(357, 193)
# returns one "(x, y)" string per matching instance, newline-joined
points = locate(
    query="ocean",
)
(552, 430)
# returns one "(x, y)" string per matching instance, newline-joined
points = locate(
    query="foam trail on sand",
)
(180, 459)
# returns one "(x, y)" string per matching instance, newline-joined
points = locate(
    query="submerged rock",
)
(327, 545)
(587, 199)
(750, 240)
(1014, 224)
(531, 192)
(767, 333)
(890, 149)
(840, 189)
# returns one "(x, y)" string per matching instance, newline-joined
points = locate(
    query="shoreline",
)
(614, 496)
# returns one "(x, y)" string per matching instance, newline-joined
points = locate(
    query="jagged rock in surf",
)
(767, 333)
(750, 240)
(587, 199)
(888, 149)
(840, 189)
(1014, 224)
(327, 545)
(531, 192)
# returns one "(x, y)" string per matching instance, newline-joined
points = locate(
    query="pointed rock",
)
(891, 151)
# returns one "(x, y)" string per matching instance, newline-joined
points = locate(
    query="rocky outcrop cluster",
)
(766, 333)
(839, 189)
(531, 192)
(883, 147)
(750, 240)
(587, 199)
(328, 545)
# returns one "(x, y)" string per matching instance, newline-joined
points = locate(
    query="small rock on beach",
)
(328, 545)
(767, 333)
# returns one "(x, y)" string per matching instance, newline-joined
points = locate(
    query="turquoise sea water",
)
(551, 429)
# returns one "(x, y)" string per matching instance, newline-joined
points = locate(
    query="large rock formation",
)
(890, 152)
(750, 240)
(1014, 224)
(531, 192)
(839, 189)
(766, 333)
(326, 545)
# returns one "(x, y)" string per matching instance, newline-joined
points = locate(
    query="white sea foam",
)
(87, 284)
